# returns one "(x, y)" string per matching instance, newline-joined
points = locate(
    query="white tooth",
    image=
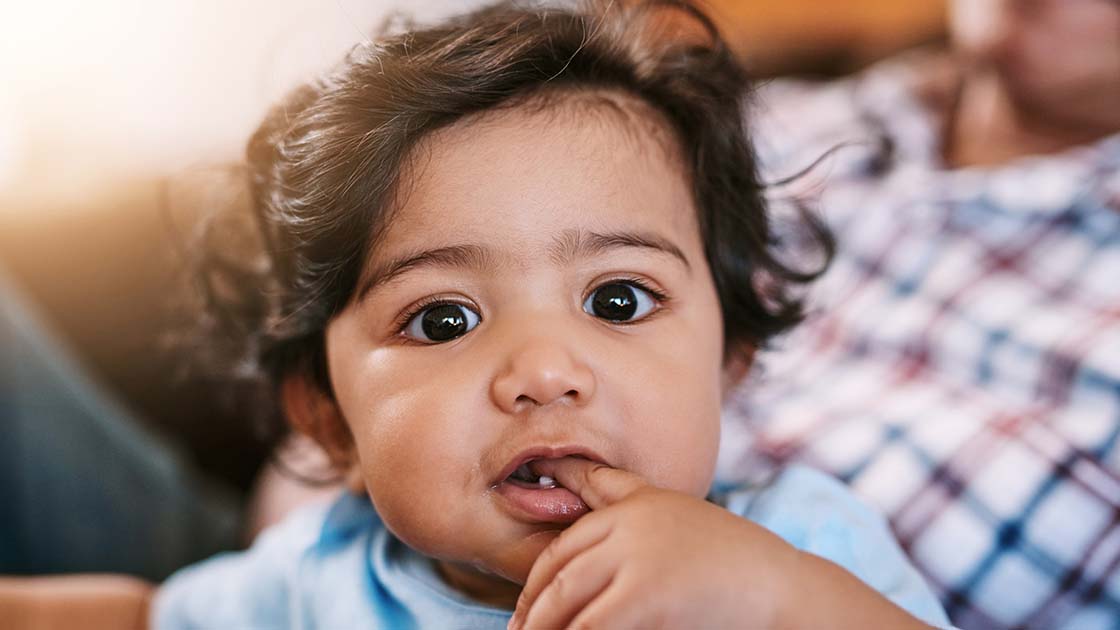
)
(546, 481)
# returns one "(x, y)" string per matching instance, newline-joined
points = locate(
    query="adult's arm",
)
(92, 601)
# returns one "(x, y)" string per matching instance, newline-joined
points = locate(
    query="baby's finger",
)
(577, 583)
(583, 535)
(597, 484)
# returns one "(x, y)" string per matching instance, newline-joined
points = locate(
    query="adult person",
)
(962, 370)
(84, 487)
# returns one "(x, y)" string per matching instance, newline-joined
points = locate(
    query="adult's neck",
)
(987, 126)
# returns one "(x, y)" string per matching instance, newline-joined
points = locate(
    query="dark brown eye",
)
(441, 322)
(619, 302)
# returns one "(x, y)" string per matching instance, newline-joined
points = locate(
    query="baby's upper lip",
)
(547, 452)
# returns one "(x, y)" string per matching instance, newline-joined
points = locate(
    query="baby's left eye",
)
(619, 302)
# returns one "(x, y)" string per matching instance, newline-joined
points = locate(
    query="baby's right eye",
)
(441, 322)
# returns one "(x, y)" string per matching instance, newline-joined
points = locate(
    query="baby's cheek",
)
(419, 518)
(679, 451)
(405, 464)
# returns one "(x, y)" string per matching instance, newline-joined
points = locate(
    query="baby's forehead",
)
(527, 186)
(587, 110)
(641, 119)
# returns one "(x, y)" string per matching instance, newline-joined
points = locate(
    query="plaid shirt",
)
(961, 365)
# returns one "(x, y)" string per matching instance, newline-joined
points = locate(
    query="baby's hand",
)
(647, 557)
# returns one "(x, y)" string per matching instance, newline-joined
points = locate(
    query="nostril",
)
(530, 400)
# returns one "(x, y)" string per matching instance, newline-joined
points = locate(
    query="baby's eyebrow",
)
(567, 247)
(465, 256)
(573, 244)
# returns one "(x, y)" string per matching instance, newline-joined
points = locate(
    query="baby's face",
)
(531, 329)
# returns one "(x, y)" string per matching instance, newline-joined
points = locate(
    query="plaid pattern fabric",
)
(961, 366)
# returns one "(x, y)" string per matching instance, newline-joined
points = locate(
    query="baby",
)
(513, 262)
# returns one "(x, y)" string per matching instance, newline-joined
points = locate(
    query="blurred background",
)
(115, 118)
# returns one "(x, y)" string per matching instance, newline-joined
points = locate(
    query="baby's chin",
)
(516, 561)
(495, 579)
(485, 546)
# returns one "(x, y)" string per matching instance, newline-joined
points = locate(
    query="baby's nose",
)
(540, 372)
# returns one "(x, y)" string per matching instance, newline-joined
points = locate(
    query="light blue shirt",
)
(336, 566)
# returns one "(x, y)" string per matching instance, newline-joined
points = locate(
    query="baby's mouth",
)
(525, 477)
(535, 498)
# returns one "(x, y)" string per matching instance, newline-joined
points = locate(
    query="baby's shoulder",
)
(262, 585)
(803, 505)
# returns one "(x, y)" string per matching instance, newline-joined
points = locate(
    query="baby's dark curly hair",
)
(325, 165)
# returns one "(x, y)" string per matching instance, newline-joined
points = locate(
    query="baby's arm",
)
(91, 601)
(650, 557)
(818, 593)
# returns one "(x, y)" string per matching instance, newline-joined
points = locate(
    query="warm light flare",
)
(95, 93)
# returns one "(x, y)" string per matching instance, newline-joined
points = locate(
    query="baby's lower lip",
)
(541, 505)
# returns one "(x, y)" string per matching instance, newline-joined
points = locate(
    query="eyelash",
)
(402, 322)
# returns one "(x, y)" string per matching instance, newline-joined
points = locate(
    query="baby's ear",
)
(314, 413)
(736, 365)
